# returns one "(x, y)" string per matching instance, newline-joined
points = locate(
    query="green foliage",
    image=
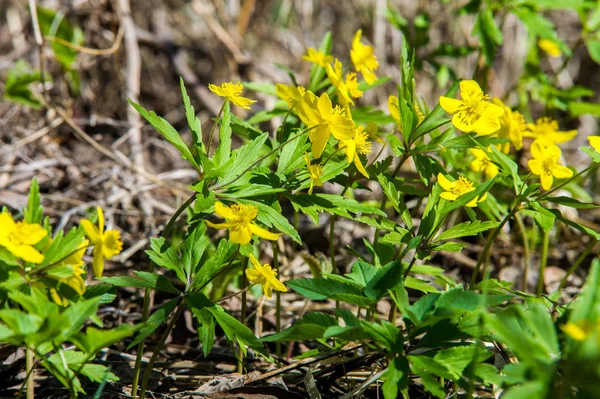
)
(19, 77)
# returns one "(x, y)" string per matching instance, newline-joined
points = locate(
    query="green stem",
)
(332, 229)
(543, 262)
(176, 215)
(159, 346)
(489, 243)
(527, 255)
(212, 131)
(240, 366)
(277, 297)
(588, 249)
(29, 365)
(140, 347)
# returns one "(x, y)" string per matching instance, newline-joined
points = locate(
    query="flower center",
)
(462, 186)
(473, 107)
(363, 145)
(548, 165)
(244, 213)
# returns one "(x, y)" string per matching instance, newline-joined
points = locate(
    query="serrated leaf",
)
(272, 218)
(465, 229)
(312, 326)
(190, 114)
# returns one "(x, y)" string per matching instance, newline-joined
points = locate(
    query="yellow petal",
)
(342, 127)
(319, 136)
(537, 150)
(262, 233)
(349, 149)
(393, 107)
(224, 211)
(91, 231)
(369, 76)
(253, 276)
(360, 167)
(535, 166)
(268, 290)
(562, 172)
(444, 182)
(448, 196)
(100, 219)
(242, 102)
(26, 252)
(98, 262)
(220, 226)
(459, 120)
(325, 107)
(240, 235)
(450, 105)
(254, 261)
(595, 142)
(546, 180)
(31, 234)
(574, 331)
(277, 285)
(469, 88)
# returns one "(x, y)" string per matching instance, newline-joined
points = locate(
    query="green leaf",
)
(206, 329)
(435, 118)
(166, 256)
(362, 273)
(387, 335)
(489, 33)
(93, 340)
(98, 373)
(457, 358)
(18, 79)
(593, 47)
(310, 327)
(216, 262)
(327, 288)
(55, 24)
(570, 202)
(33, 211)
(192, 120)
(274, 218)
(242, 158)
(159, 317)
(290, 158)
(466, 229)
(193, 249)
(262, 87)
(587, 306)
(168, 132)
(584, 229)
(584, 108)
(143, 280)
(595, 155)
(507, 165)
(386, 278)
(396, 379)
(433, 366)
(76, 315)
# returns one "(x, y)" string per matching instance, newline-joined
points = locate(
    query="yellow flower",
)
(545, 163)
(512, 126)
(346, 89)
(232, 91)
(474, 113)
(240, 219)
(575, 331)
(264, 276)
(357, 145)
(106, 243)
(482, 163)
(595, 142)
(317, 57)
(75, 281)
(546, 132)
(455, 189)
(314, 172)
(550, 48)
(363, 58)
(290, 94)
(19, 238)
(323, 120)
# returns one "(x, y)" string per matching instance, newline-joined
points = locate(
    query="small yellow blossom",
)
(323, 120)
(346, 89)
(363, 58)
(75, 281)
(106, 243)
(545, 164)
(575, 331)
(455, 189)
(356, 146)
(291, 94)
(317, 57)
(483, 164)
(474, 113)
(240, 219)
(232, 91)
(314, 172)
(512, 127)
(265, 276)
(595, 142)
(550, 48)
(546, 132)
(19, 238)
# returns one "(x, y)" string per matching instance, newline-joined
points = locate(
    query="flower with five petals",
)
(265, 276)
(106, 243)
(546, 164)
(19, 238)
(455, 189)
(240, 223)
(232, 92)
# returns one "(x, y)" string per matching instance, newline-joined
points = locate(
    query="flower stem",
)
(332, 228)
(240, 365)
(588, 249)
(488, 244)
(29, 364)
(176, 215)
(212, 131)
(543, 262)
(159, 347)
(277, 298)
(526, 252)
(140, 348)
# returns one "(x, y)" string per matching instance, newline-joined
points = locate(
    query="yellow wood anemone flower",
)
(239, 221)
(512, 127)
(291, 94)
(324, 120)
(232, 92)
(546, 164)
(595, 142)
(549, 47)
(482, 163)
(317, 57)
(75, 281)
(475, 112)
(356, 146)
(346, 89)
(265, 276)
(106, 243)
(455, 189)
(19, 238)
(546, 132)
(315, 172)
(363, 58)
